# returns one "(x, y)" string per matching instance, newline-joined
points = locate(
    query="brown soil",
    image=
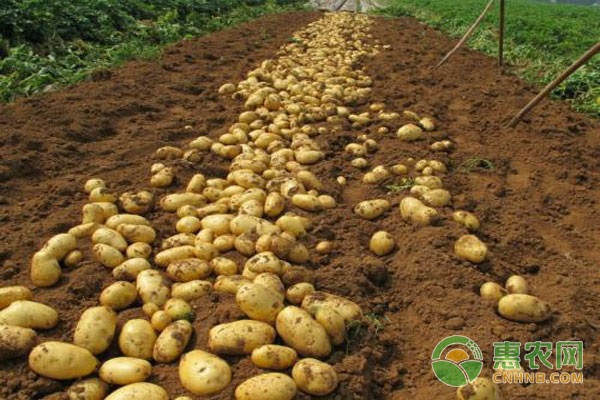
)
(538, 206)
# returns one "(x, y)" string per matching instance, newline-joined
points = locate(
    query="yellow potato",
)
(60, 245)
(382, 243)
(306, 202)
(172, 341)
(437, 197)
(92, 213)
(102, 194)
(137, 339)
(191, 290)
(480, 389)
(88, 389)
(271, 282)
(160, 320)
(73, 259)
(125, 370)
(8, 294)
(62, 361)
(470, 248)
(265, 261)
(271, 386)
(296, 293)
(410, 133)
(16, 341)
(109, 209)
(29, 314)
(240, 337)
(334, 324)
(109, 237)
(224, 266)
(168, 256)
(414, 210)
(128, 270)
(188, 269)
(137, 233)
(230, 284)
(172, 202)
(181, 239)
(259, 302)
(114, 221)
(516, 285)
(107, 255)
(95, 329)
(168, 153)
(203, 373)
(179, 309)
(524, 308)
(205, 251)
(152, 287)
(314, 377)
(492, 291)
(273, 356)
(432, 182)
(93, 183)
(139, 391)
(137, 203)
(371, 209)
(196, 184)
(347, 309)
(301, 332)
(293, 224)
(162, 178)
(138, 250)
(467, 219)
(324, 247)
(84, 230)
(118, 295)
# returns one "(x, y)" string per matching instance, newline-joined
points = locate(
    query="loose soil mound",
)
(538, 206)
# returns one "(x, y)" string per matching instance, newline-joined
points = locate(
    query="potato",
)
(240, 337)
(168, 153)
(60, 245)
(108, 208)
(444, 145)
(437, 197)
(293, 224)
(371, 209)
(523, 308)
(414, 210)
(137, 233)
(172, 341)
(73, 259)
(128, 270)
(118, 295)
(138, 250)
(29, 314)
(230, 284)
(92, 213)
(410, 133)
(479, 389)
(137, 339)
(162, 178)
(84, 230)
(247, 179)
(9, 294)
(166, 257)
(109, 237)
(181, 239)
(399, 169)
(102, 194)
(205, 251)
(107, 255)
(191, 290)
(265, 261)
(95, 329)
(271, 386)
(427, 123)
(137, 203)
(296, 293)
(301, 332)
(347, 309)
(152, 287)
(492, 291)
(160, 320)
(324, 247)
(272, 282)
(93, 183)
(188, 224)
(273, 356)
(88, 389)
(470, 248)
(516, 285)
(196, 184)
(203, 373)
(201, 143)
(309, 180)
(259, 302)
(179, 309)
(306, 202)
(125, 370)
(382, 243)
(139, 391)
(467, 219)
(114, 221)
(308, 157)
(334, 324)
(16, 341)
(218, 223)
(224, 266)
(314, 377)
(149, 309)
(188, 269)
(62, 361)
(432, 182)
(172, 202)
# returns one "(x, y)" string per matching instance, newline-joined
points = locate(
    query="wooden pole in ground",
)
(338, 8)
(501, 40)
(467, 34)
(574, 67)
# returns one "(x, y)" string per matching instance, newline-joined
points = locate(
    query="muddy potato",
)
(152, 287)
(466, 219)
(118, 295)
(73, 259)
(324, 247)
(180, 239)
(62, 361)
(218, 223)
(314, 377)
(410, 133)
(240, 337)
(139, 391)
(224, 243)
(162, 178)
(516, 285)
(188, 224)
(203, 373)
(230, 284)
(414, 210)
(107, 255)
(149, 309)
(436, 197)
(259, 302)
(29, 314)
(179, 309)
(347, 309)
(92, 213)
(172, 341)
(301, 332)
(270, 386)
(252, 207)
(137, 233)
(60, 245)
(296, 293)
(191, 290)
(432, 182)
(95, 329)
(10, 294)
(524, 308)
(92, 184)
(137, 203)
(480, 389)
(274, 356)
(16, 341)
(205, 251)
(371, 209)
(334, 324)
(382, 243)
(88, 389)
(128, 270)
(137, 339)
(196, 184)
(492, 291)
(188, 269)
(138, 250)
(160, 320)
(272, 282)
(265, 261)
(103, 195)
(114, 221)
(109, 237)
(84, 230)
(293, 224)
(274, 204)
(166, 257)
(224, 266)
(125, 370)
(172, 202)
(470, 248)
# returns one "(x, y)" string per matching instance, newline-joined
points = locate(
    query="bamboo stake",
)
(501, 40)
(568, 72)
(467, 34)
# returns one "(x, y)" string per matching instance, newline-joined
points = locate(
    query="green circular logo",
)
(456, 360)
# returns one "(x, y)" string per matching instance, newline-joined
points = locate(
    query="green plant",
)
(476, 163)
(356, 329)
(405, 184)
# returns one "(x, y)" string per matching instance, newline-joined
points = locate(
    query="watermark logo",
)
(456, 360)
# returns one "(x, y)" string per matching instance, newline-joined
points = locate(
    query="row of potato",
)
(288, 102)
